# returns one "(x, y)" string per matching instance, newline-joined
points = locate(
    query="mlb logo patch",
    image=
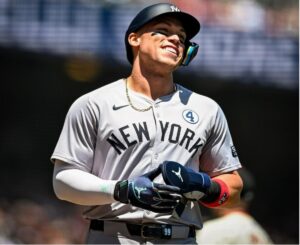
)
(233, 151)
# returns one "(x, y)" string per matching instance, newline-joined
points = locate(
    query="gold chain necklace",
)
(130, 103)
(139, 109)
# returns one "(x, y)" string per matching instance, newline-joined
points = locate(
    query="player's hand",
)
(143, 193)
(193, 185)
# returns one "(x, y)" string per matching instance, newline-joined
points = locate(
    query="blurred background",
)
(53, 51)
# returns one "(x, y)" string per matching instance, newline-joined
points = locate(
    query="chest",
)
(164, 128)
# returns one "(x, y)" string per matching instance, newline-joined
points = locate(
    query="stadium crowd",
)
(25, 221)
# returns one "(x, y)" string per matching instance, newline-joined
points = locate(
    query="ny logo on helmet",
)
(174, 8)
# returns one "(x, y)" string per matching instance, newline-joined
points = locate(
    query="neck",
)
(152, 86)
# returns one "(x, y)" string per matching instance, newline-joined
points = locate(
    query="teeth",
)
(172, 50)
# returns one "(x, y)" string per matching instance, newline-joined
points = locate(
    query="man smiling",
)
(116, 139)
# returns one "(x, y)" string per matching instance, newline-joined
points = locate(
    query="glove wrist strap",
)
(217, 195)
(121, 191)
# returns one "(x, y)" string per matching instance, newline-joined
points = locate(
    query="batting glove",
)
(143, 193)
(193, 185)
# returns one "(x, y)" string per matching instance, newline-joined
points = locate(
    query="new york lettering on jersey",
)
(130, 135)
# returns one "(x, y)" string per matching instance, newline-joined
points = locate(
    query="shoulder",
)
(104, 92)
(94, 102)
(197, 100)
(98, 96)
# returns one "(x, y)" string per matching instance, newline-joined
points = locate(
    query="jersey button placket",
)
(156, 110)
(156, 114)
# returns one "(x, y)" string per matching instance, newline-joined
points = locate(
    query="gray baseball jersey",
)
(105, 136)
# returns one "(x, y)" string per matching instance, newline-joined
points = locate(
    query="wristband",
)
(121, 191)
(221, 193)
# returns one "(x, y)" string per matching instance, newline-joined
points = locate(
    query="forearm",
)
(235, 185)
(82, 188)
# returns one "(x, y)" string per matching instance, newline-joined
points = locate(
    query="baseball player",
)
(143, 153)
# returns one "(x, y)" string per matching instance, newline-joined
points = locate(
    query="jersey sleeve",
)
(77, 140)
(219, 154)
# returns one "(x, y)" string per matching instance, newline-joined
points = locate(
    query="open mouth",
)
(171, 50)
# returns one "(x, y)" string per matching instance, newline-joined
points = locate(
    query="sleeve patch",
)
(233, 151)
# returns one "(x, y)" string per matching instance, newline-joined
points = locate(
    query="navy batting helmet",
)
(190, 24)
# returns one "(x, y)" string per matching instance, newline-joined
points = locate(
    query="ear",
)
(134, 39)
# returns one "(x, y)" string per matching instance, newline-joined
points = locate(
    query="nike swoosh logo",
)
(118, 107)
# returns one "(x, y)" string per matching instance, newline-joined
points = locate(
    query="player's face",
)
(163, 42)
